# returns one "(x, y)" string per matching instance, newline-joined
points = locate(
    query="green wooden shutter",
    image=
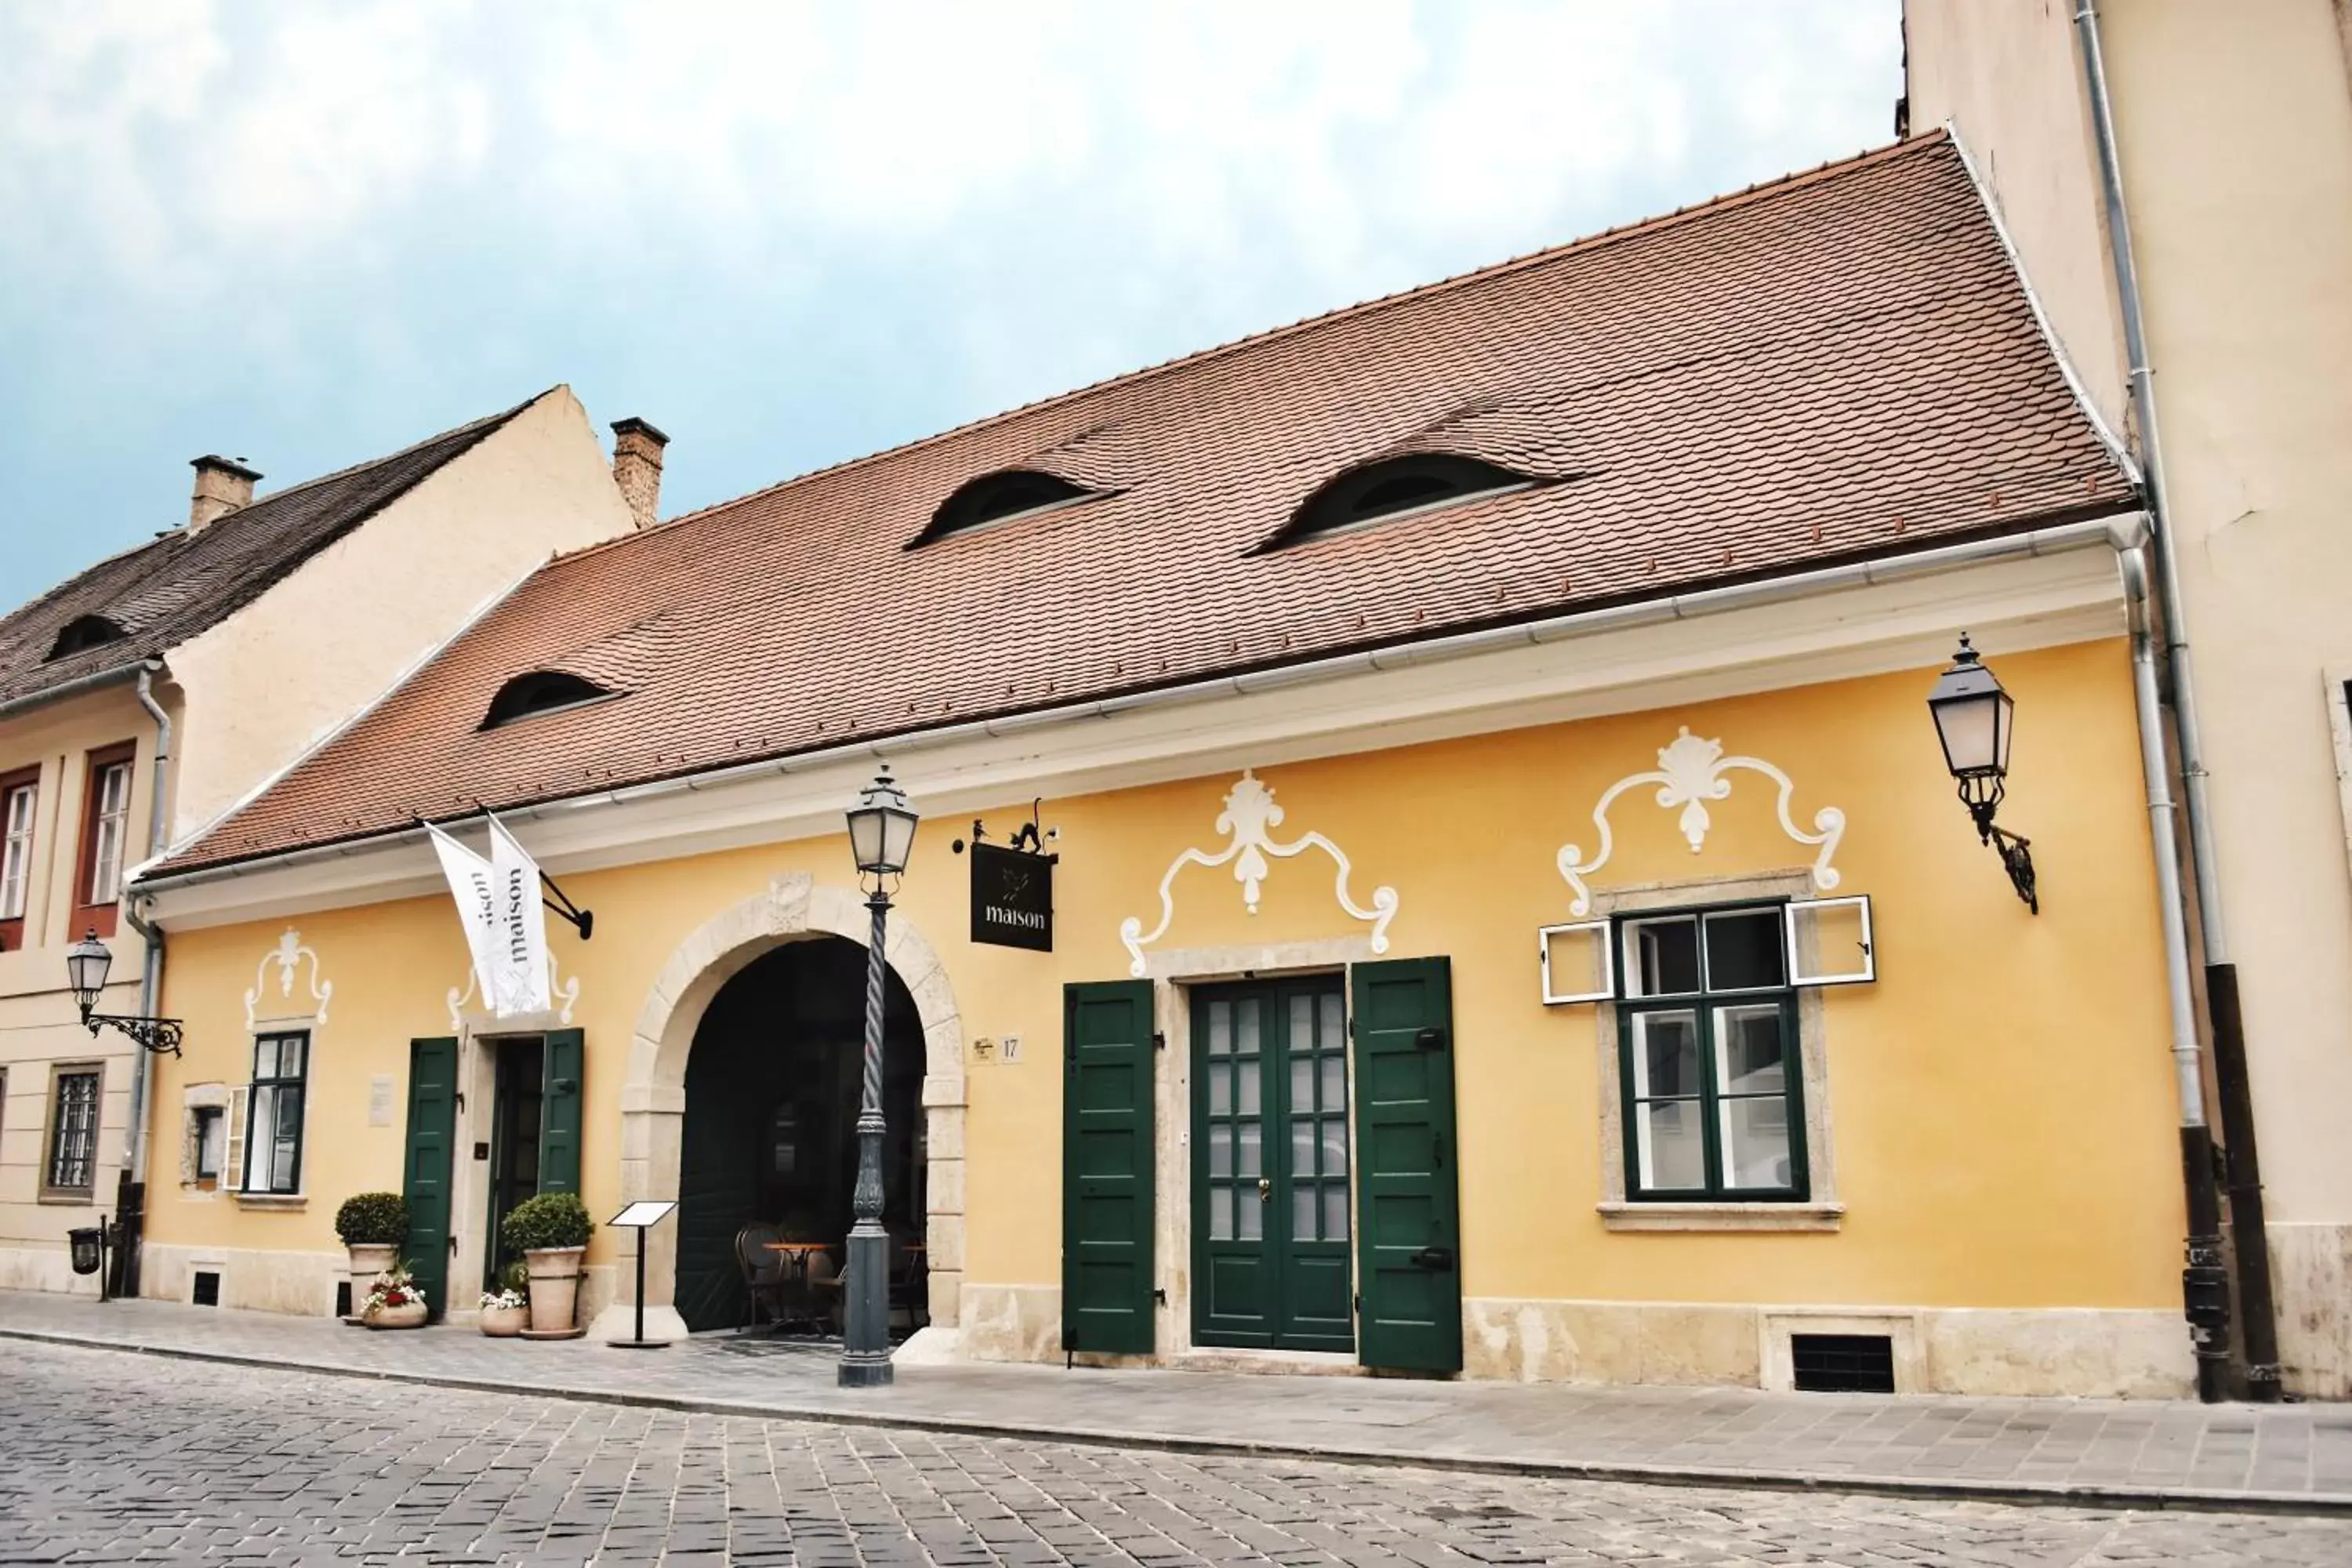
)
(425, 1176)
(1107, 1268)
(1409, 1257)
(559, 1112)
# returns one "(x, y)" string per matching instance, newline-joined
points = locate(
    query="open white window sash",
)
(1805, 971)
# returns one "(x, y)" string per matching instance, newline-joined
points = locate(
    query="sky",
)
(788, 234)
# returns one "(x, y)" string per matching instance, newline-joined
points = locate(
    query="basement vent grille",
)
(342, 1298)
(204, 1291)
(1843, 1363)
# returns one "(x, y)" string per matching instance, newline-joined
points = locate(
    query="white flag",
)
(505, 927)
(522, 925)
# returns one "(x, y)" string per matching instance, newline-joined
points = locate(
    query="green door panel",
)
(424, 1172)
(1408, 1248)
(1108, 1264)
(559, 1129)
(1270, 1208)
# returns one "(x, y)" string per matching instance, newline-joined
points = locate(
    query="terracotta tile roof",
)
(164, 593)
(1838, 365)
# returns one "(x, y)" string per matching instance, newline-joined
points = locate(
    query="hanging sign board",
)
(1011, 897)
(505, 925)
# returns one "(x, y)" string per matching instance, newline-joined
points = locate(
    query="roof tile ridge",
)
(1616, 234)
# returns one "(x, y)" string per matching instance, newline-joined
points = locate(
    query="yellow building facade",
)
(1987, 1124)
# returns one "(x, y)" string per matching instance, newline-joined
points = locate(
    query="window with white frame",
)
(273, 1122)
(109, 820)
(17, 798)
(1710, 1048)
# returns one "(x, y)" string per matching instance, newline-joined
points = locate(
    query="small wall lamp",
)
(1974, 719)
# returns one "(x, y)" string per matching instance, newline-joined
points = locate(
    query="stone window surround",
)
(198, 1097)
(1823, 1211)
(76, 1195)
(310, 1026)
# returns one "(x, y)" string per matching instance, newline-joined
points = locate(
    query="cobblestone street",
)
(115, 1458)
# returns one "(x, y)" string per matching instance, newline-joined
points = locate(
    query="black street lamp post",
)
(1974, 719)
(881, 836)
(87, 962)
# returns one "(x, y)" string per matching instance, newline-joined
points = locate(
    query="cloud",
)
(806, 227)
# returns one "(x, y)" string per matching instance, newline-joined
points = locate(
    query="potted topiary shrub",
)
(551, 1232)
(394, 1300)
(373, 1226)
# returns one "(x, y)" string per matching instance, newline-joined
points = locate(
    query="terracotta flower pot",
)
(408, 1315)
(369, 1260)
(504, 1322)
(554, 1287)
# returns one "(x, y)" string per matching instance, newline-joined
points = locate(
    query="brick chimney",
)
(222, 486)
(636, 467)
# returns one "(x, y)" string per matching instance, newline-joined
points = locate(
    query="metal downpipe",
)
(2232, 1089)
(131, 1205)
(2205, 1289)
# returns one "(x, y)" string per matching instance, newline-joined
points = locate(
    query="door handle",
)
(1436, 1260)
(1265, 1189)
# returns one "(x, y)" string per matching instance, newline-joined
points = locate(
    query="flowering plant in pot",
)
(551, 1233)
(394, 1300)
(506, 1311)
(373, 1226)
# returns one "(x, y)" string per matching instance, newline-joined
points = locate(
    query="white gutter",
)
(151, 979)
(2122, 531)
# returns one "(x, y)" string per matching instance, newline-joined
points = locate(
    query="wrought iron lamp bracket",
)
(157, 1035)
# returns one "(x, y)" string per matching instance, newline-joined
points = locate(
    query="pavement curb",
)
(2135, 1498)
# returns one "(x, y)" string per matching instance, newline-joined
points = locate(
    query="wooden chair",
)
(910, 1283)
(763, 1275)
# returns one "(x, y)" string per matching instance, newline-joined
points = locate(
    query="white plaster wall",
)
(2235, 129)
(281, 674)
(2006, 74)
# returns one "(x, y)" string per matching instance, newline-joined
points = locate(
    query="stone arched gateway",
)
(653, 1095)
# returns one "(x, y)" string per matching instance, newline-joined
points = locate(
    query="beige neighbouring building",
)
(201, 664)
(2232, 135)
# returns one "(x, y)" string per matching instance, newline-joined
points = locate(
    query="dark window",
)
(20, 796)
(84, 632)
(1390, 486)
(1713, 1080)
(1843, 1363)
(273, 1145)
(209, 1137)
(541, 691)
(991, 497)
(205, 1288)
(73, 1133)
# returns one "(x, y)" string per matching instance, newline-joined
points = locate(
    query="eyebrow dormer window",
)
(1391, 488)
(542, 691)
(84, 632)
(993, 498)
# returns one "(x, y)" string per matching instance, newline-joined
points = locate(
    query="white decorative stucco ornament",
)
(566, 992)
(1249, 818)
(1689, 773)
(288, 955)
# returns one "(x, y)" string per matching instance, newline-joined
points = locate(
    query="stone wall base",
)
(257, 1279)
(2311, 1276)
(44, 1268)
(2072, 1352)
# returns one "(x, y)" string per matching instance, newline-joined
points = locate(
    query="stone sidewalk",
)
(2102, 1453)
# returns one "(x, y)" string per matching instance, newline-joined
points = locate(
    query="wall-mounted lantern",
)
(87, 962)
(1974, 719)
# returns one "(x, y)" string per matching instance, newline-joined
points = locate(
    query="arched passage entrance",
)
(653, 1097)
(771, 1098)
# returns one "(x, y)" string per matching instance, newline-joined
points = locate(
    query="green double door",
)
(1270, 1166)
